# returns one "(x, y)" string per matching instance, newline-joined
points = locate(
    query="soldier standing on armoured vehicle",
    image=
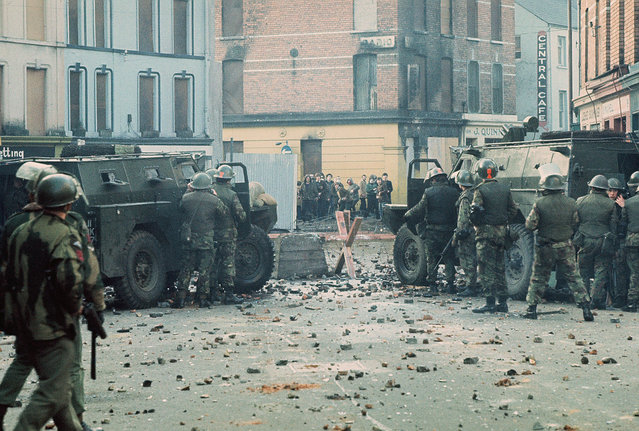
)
(596, 238)
(630, 216)
(465, 234)
(201, 213)
(618, 284)
(491, 210)
(554, 216)
(226, 237)
(436, 210)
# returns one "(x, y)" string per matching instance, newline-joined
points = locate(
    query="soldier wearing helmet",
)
(596, 237)
(554, 216)
(201, 211)
(436, 211)
(491, 210)
(465, 233)
(630, 218)
(633, 182)
(226, 238)
(618, 282)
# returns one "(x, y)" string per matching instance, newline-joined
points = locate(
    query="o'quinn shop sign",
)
(542, 78)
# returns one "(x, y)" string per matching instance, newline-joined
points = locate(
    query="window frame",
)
(190, 105)
(500, 67)
(189, 27)
(157, 117)
(472, 5)
(109, 109)
(363, 22)
(155, 23)
(478, 87)
(419, 101)
(561, 51)
(562, 108)
(371, 82)
(420, 25)
(238, 33)
(451, 85)
(108, 25)
(496, 31)
(225, 99)
(82, 102)
(449, 31)
(517, 46)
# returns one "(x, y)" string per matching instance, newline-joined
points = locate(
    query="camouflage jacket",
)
(226, 229)
(45, 274)
(463, 214)
(202, 210)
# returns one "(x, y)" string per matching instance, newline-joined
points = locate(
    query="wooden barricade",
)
(348, 233)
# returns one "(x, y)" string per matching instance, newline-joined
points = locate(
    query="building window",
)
(498, 89)
(561, 50)
(147, 28)
(447, 85)
(446, 16)
(102, 23)
(1, 97)
(103, 100)
(182, 99)
(473, 86)
(36, 101)
(35, 19)
(365, 15)
(181, 26)
(77, 100)
(472, 18)
(416, 84)
(149, 104)
(233, 86)
(419, 15)
(365, 82)
(232, 18)
(517, 46)
(563, 103)
(495, 19)
(74, 22)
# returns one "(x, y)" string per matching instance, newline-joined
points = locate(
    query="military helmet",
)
(615, 184)
(56, 190)
(225, 172)
(465, 178)
(634, 179)
(201, 181)
(486, 169)
(32, 184)
(552, 182)
(211, 172)
(435, 172)
(598, 182)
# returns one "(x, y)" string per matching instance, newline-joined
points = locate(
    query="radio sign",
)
(542, 78)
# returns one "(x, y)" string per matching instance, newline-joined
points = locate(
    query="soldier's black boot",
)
(179, 303)
(204, 303)
(588, 317)
(531, 312)
(502, 306)
(488, 308)
(469, 291)
(450, 286)
(3, 411)
(631, 307)
(229, 298)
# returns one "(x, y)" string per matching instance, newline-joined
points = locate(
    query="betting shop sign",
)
(542, 78)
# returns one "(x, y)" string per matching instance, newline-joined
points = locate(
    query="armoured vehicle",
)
(579, 156)
(130, 208)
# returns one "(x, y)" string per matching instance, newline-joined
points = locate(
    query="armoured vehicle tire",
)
(519, 262)
(409, 257)
(144, 278)
(254, 260)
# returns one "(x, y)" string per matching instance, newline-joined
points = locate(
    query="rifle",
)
(95, 326)
(449, 244)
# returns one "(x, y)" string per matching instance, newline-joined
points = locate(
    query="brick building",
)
(609, 78)
(363, 86)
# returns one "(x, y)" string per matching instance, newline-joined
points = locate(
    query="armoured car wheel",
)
(519, 263)
(145, 271)
(409, 257)
(254, 259)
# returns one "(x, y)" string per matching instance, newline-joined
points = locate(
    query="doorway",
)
(311, 156)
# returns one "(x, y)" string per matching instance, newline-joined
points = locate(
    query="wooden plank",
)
(346, 255)
(347, 219)
(341, 223)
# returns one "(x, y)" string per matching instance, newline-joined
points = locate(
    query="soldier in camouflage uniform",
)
(596, 238)
(226, 237)
(633, 182)
(630, 215)
(45, 277)
(491, 210)
(93, 288)
(202, 210)
(554, 216)
(465, 234)
(619, 273)
(436, 210)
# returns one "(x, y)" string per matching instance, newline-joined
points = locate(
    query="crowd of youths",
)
(321, 195)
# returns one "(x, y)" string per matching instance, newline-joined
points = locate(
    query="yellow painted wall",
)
(347, 150)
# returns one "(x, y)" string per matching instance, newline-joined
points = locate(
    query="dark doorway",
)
(312, 156)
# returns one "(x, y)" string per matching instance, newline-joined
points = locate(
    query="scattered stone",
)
(538, 427)
(346, 347)
(615, 320)
(538, 340)
(281, 362)
(422, 369)
(584, 360)
(471, 361)
(253, 370)
(608, 360)
(147, 383)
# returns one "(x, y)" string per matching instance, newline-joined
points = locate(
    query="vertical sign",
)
(542, 78)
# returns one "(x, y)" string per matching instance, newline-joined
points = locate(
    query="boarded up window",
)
(498, 89)
(35, 19)
(74, 22)
(236, 146)
(365, 15)
(473, 23)
(416, 84)
(147, 103)
(311, 156)
(75, 100)
(495, 19)
(447, 85)
(447, 16)
(473, 86)
(232, 18)
(233, 87)
(145, 25)
(365, 82)
(35, 101)
(181, 100)
(100, 23)
(419, 15)
(103, 101)
(180, 26)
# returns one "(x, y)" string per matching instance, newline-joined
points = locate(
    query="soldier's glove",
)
(477, 214)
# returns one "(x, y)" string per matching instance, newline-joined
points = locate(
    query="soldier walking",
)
(630, 216)
(226, 237)
(465, 234)
(201, 211)
(491, 210)
(554, 216)
(596, 238)
(436, 210)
